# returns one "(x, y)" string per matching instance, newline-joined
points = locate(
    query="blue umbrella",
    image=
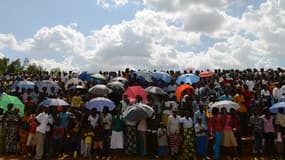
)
(163, 76)
(86, 76)
(188, 78)
(54, 102)
(99, 103)
(142, 76)
(276, 106)
(23, 84)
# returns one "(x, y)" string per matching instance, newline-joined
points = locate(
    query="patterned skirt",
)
(131, 139)
(12, 137)
(188, 143)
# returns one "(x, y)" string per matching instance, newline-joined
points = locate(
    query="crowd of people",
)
(179, 128)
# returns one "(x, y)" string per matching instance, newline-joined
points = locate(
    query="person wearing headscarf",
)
(12, 120)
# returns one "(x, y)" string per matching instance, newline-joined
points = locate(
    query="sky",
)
(93, 35)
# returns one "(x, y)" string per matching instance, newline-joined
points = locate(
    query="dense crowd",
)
(180, 127)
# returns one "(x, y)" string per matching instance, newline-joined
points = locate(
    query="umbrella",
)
(142, 76)
(206, 74)
(155, 90)
(98, 76)
(99, 103)
(162, 76)
(188, 78)
(5, 99)
(74, 82)
(23, 84)
(181, 89)
(54, 102)
(138, 112)
(76, 87)
(133, 91)
(120, 79)
(48, 84)
(116, 86)
(100, 90)
(276, 106)
(224, 104)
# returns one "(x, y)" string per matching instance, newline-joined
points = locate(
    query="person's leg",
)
(39, 145)
(217, 143)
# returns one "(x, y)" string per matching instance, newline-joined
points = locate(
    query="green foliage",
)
(12, 67)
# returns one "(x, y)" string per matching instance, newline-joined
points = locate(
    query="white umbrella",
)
(74, 82)
(224, 104)
(100, 90)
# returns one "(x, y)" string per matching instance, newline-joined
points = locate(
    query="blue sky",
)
(24, 19)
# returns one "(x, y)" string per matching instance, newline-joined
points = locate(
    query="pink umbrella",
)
(133, 91)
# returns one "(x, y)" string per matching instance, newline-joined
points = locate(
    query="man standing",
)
(43, 121)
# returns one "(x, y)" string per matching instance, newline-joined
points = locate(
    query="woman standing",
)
(117, 134)
(24, 133)
(173, 131)
(12, 122)
(217, 128)
(269, 133)
(2, 131)
(188, 137)
(229, 140)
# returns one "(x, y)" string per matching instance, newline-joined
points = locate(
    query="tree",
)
(34, 69)
(3, 64)
(15, 67)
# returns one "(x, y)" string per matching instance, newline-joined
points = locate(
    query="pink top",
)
(228, 125)
(268, 125)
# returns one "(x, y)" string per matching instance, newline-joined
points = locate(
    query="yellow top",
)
(76, 101)
(88, 137)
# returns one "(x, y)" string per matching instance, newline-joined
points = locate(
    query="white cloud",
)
(150, 40)
(106, 4)
(1, 55)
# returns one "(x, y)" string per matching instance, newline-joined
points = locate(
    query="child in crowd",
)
(162, 141)
(57, 136)
(31, 137)
(98, 140)
(88, 139)
(201, 139)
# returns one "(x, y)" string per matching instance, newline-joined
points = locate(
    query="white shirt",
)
(187, 123)
(198, 128)
(276, 92)
(93, 120)
(173, 124)
(250, 85)
(264, 92)
(43, 119)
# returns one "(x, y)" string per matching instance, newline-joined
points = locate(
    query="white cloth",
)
(187, 123)
(198, 128)
(43, 119)
(93, 120)
(276, 92)
(250, 85)
(107, 121)
(173, 124)
(117, 140)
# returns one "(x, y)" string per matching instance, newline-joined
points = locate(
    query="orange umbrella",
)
(205, 74)
(182, 90)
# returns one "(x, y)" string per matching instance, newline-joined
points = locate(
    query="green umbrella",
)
(5, 99)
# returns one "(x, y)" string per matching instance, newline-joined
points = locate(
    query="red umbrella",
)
(205, 74)
(133, 91)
